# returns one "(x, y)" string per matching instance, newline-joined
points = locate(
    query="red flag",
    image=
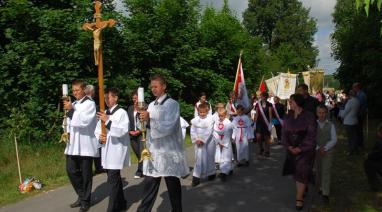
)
(239, 87)
(262, 86)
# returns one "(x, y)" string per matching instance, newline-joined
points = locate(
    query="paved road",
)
(259, 187)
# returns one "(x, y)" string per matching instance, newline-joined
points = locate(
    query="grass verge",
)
(349, 188)
(45, 161)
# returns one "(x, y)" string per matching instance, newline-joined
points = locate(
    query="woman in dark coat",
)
(299, 138)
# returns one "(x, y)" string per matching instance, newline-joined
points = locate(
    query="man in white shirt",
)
(82, 147)
(165, 143)
(350, 120)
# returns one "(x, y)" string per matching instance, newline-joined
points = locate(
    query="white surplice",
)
(164, 140)
(183, 124)
(241, 134)
(222, 135)
(202, 129)
(115, 152)
(81, 127)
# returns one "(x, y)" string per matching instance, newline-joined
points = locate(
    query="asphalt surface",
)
(259, 187)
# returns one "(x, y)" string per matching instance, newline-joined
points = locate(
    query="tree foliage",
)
(357, 45)
(286, 29)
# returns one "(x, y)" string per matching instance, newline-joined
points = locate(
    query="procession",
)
(163, 106)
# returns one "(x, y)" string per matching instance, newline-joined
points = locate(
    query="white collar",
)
(80, 100)
(161, 98)
(112, 108)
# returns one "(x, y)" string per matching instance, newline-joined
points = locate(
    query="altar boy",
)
(201, 137)
(222, 137)
(83, 146)
(241, 135)
(115, 151)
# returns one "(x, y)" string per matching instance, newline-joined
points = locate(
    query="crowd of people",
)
(304, 125)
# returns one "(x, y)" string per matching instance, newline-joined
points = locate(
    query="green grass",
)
(43, 161)
(349, 188)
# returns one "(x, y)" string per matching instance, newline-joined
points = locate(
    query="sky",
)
(321, 10)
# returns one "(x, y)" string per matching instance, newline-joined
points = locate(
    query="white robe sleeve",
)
(163, 123)
(234, 124)
(248, 128)
(97, 130)
(119, 124)
(84, 114)
(193, 133)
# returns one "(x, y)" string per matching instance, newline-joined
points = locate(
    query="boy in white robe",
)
(82, 147)
(222, 137)
(201, 137)
(165, 143)
(241, 135)
(115, 150)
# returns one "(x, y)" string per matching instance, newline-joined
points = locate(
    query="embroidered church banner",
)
(286, 85)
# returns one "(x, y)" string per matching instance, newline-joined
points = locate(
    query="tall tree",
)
(357, 45)
(286, 29)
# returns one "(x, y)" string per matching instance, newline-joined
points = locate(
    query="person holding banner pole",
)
(263, 124)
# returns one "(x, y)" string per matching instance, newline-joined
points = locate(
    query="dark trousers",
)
(360, 131)
(150, 192)
(137, 148)
(116, 198)
(278, 132)
(352, 134)
(97, 162)
(79, 169)
(372, 169)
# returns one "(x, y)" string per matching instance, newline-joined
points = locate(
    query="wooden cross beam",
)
(97, 28)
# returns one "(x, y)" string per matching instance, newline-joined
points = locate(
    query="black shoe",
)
(76, 204)
(84, 208)
(231, 172)
(223, 177)
(211, 177)
(325, 199)
(299, 207)
(239, 164)
(246, 163)
(195, 181)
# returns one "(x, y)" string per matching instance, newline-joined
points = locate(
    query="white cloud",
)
(322, 11)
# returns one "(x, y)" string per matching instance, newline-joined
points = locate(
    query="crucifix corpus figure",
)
(97, 29)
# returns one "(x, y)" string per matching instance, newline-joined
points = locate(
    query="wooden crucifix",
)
(97, 28)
